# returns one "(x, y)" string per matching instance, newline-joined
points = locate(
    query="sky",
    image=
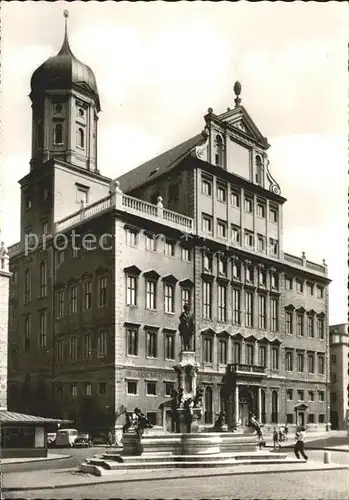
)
(160, 66)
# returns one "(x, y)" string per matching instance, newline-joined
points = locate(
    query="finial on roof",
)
(237, 90)
(65, 49)
(210, 111)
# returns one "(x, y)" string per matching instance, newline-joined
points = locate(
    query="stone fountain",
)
(186, 446)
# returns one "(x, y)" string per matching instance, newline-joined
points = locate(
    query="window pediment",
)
(321, 315)
(86, 276)
(224, 334)
(101, 270)
(222, 281)
(169, 278)
(207, 277)
(300, 310)
(290, 307)
(251, 338)
(263, 340)
(208, 331)
(151, 327)
(151, 275)
(311, 312)
(132, 325)
(237, 336)
(187, 283)
(132, 270)
(275, 342)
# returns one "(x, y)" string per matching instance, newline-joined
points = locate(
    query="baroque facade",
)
(104, 267)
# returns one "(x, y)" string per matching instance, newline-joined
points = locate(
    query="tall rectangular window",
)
(236, 306)
(185, 297)
(169, 248)
(310, 326)
(222, 351)
(60, 303)
(87, 346)
(300, 362)
(235, 199)
(131, 290)
(102, 344)
(289, 322)
(237, 353)
(186, 254)
(132, 342)
(274, 307)
(169, 346)
(222, 303)
(102, 291)
(150, 294)
(248, 205)
(262, 324)
(87, 295)
(206, 187)
(43, 278)
(320, 292)
(73, 299)
(235, 235)
(288, 283)
(320, 328)
(248, 309)
(300, 324)
(73, 348)
(275, 358)
(152, 345)
(131, 237)
(250, 354)
(60, 351)
(207, 224)
(221, 194)
(262, 355)
(27, 333)
(169, 298)
(299, 286)
(221, 229)
(249, 239)
(321, 364)
(273, 214)
(208, 350)
(311, 363)
(27, 285)
(207, 300)
(289, 361)
(43, 329)
(150, 243)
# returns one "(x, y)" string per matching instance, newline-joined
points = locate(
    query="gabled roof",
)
(159, 165)
(239, 118)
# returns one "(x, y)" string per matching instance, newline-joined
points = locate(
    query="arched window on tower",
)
(80, 138)
(58, 138)
(219, 151)
(259, 171)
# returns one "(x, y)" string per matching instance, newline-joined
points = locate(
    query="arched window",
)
(58, 139)
(274, 407)
(80, 138)
(208, 405)
(263, 406)
(219, 151)
(259, 171)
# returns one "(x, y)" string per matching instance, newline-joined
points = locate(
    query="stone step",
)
(108, 468)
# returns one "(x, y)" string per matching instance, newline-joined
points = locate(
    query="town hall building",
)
(93, 321)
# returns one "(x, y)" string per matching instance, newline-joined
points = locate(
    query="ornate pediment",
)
(187, 283)
(151, 275)
(169, 278)
(132, 270)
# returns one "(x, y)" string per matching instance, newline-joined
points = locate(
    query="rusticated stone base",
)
(132, 444)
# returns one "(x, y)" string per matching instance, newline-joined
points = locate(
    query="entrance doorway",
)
(245, 405)
(301, 418)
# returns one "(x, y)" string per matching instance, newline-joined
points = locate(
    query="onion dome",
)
(64, 71)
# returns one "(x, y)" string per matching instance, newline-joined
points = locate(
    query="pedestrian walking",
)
(286, 432)
(276, 438)
(299, 446)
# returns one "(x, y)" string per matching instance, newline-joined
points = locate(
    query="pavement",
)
(70, 477)
(19, 460)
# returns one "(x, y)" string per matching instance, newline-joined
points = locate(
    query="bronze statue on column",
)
(186, 328)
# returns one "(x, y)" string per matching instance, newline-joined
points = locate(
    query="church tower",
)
(65, 106)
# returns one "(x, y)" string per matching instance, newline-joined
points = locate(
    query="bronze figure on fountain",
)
(186, 328)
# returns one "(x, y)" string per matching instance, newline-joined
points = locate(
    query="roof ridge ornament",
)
(274, 186)
(237, 91)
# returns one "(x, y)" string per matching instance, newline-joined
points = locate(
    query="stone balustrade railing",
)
(303, 262)
(246, 368)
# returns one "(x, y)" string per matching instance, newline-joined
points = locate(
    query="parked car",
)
(51, 438)
(83, 441)
(66, 437)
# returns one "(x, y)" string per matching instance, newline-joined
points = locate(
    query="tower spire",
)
(65, 49)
